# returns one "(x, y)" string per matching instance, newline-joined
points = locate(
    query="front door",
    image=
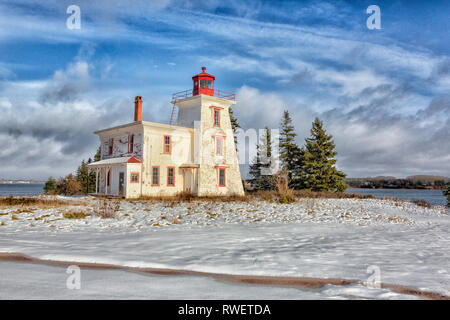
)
(121, 181)
(187, 180)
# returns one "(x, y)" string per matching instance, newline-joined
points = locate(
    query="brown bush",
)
(108, 208)
(422, 203)
(68, 186)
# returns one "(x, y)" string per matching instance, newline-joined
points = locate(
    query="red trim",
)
(131, 175)
(159, 176)
(215, 107)
(134, 160)
(214, 116)
(130, 139)
(224, 177)
(164, 144)
(170, 185)
(189, 167)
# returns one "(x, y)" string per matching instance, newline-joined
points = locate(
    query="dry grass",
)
(422, 203)
(283, 194)
(74, 215)
(37, 202)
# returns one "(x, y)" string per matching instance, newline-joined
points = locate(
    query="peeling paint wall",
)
(120, 144)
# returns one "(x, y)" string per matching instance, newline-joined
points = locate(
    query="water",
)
(434, 197)
(21, 189)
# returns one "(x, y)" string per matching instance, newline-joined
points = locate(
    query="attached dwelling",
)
(194, 153)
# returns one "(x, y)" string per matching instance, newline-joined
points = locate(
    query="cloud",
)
(371, 138)
(66, 85)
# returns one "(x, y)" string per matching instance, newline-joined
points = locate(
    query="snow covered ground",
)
(322, 238)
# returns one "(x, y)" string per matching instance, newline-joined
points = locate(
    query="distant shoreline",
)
(22, 183)
(370, 188)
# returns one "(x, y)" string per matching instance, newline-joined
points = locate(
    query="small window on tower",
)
(216, 117)
(203, 83)
(222, 177)
(219, 146)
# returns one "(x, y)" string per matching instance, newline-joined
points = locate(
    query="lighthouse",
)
(196, 153)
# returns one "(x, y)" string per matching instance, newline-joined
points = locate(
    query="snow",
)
(34, 281)
(323, 238)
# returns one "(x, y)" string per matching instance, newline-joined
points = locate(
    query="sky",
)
(384, 94)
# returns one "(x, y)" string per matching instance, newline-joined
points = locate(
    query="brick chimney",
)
(138, 108)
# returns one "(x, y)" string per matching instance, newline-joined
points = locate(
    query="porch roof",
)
(113, 161)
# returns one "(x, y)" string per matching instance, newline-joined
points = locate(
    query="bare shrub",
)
(107, 208)
(422, 203)
(281, 182)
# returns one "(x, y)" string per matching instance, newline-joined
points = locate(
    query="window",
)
(216, 117)
(171, 176)
(130, 143)
(167, 144)
(110, 146)
(108, 178)
(155, 176)
(219, 146)
(221, 177)
(134, 177)
(205, 83)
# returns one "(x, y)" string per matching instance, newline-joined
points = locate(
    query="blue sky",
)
(383, 94)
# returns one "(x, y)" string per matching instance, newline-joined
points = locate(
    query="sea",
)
(434, 197)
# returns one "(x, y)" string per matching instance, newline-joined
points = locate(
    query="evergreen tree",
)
(261, 168)
(319, 172)
(234, 126)
(98, 154)
(50, 186)
(82, 177)
(446, 192)
(290, 154)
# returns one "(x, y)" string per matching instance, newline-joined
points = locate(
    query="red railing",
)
(217, 93)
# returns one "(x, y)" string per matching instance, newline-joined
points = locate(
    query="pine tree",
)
(98, 154)
(319, 172)
(234, 126)
(50, 186)
(261, 168)
(446, 192)
(290, 154)
(82, 177)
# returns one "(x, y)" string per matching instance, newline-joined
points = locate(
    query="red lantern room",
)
(203, 83)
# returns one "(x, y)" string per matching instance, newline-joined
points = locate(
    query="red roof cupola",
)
(203, 83)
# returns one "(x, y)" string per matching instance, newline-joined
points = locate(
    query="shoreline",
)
(294, 282)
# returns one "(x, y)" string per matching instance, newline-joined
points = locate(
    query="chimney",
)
(138, 108)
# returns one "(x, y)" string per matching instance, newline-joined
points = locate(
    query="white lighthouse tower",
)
(206, 109)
